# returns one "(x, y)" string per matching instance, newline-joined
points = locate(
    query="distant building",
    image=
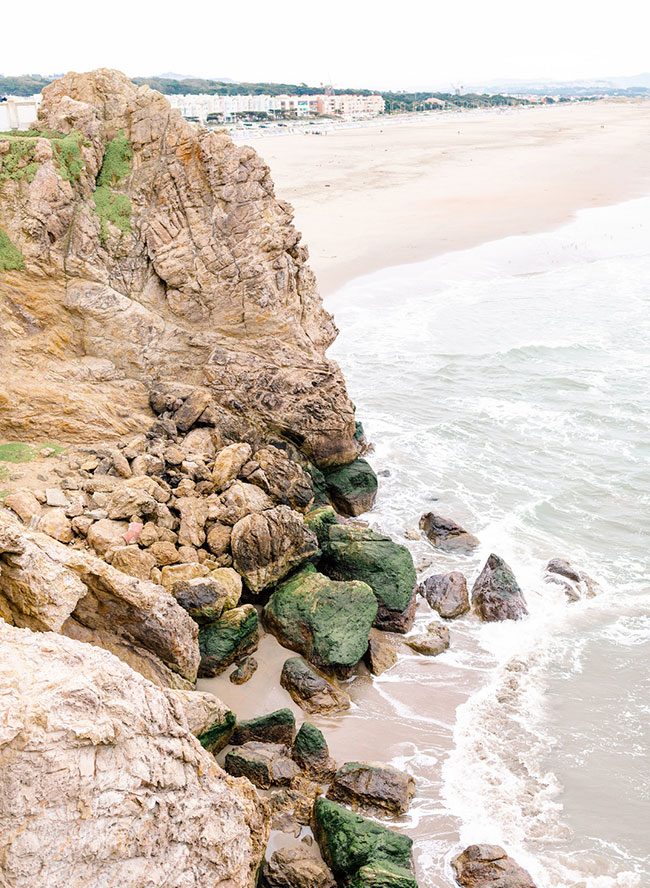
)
(198, 107)
(18, 113)
(435, 103)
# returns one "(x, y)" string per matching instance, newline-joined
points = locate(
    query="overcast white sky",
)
(399, 45)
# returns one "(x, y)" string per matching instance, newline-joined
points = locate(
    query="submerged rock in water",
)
(432, 642)
(265, 764)
(352, 488)
(267, 545)
(311, 752)
(372, 785)
(349, 841)
(575, 583)
(95, 749)
(233, 636)
(496, 594)
(446, 593)
(325, 620)
(488, 866)
(310, 689)
(276, 727)
(358, 553)
(446, 534)
(296, 868)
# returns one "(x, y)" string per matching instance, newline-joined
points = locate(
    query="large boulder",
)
(229, 638)
(349, 841)
(266, 546)
(488, 866)
(282, 478)
(496, 594)
(107, 784)
(325, 620)
(446, 593)
(373, 786)
(352, 488)
(210, 720)
(276, 727)
(311, 752)
(446, 534)
(310, 689)
(264, 764)
(205, 598)
(357, 553)
(296, 868)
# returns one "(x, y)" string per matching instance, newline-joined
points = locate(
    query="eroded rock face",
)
(100, 764)
(153, 250)
(488, 866)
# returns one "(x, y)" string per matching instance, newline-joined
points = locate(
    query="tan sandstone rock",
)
(107, 784)
(206, 283)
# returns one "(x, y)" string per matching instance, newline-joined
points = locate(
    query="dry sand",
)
(391, 194)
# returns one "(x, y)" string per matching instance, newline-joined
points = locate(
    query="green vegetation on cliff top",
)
(113, 206)
(19, 161)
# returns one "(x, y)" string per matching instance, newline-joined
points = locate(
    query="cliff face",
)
(135, 249)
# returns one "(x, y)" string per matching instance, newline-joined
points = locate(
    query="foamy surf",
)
(514, 398)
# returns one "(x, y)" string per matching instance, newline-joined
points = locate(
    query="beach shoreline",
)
(380, 196)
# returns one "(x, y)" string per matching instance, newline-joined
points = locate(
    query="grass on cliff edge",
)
(11, 259)
(112, 206)
(18, 452)
(19, 162)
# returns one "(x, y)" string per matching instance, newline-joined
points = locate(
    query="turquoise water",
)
(507, 387)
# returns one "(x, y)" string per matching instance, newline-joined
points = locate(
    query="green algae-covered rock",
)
(233, 636)
(349, 841)
(321, 497)
(311, 752)
(357, 553)
(352, 488)
(381, 874)
(326, 621)
(319, 521)
(219, 733)
(276, 727)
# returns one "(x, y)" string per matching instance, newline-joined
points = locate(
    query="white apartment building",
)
(19, 113)
(198, 107)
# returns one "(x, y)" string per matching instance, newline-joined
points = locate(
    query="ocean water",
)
(508, 387)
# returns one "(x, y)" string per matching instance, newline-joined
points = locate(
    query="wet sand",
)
(392, 194)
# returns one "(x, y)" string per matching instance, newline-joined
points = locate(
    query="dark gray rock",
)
(446, 534)
(496, 594)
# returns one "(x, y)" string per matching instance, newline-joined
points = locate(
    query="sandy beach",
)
(392, 194)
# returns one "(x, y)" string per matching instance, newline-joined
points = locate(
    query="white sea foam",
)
(507, 387)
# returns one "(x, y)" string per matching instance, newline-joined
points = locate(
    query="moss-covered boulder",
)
(218, 734)
(311, 752)
(319, 521)
(358, 553)
(233, 636)
(381, 874)
(349, 841)
(325, 620)
(276, 727)
(352, 488)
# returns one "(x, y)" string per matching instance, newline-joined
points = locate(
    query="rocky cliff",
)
(137, 249)
(103, 782)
